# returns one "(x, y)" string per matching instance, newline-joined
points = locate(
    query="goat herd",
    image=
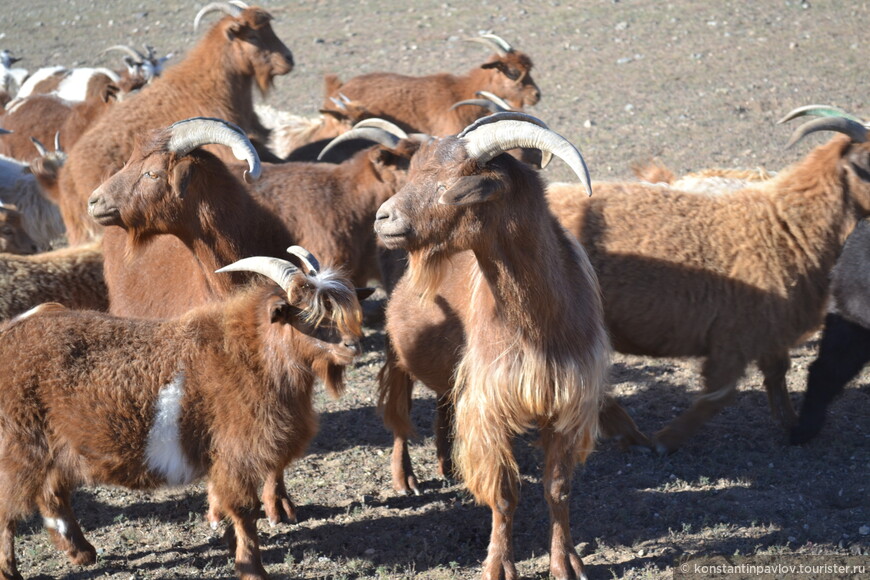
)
(152, 350)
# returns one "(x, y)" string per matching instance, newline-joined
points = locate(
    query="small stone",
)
(864, 530)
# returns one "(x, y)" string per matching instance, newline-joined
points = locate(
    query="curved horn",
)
(39, 147)
(495, 134)
(498, 44)
(189, 134)
(232, 8)
(819, 111)
(856, 131)
(129, 50)
(307, 258)
(277, 270)
(493, 103)
(57, 146)
(375, 130)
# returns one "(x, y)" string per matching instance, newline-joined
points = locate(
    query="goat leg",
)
(499, 563)
(8, 567)
(618, 425)
(774, 369)
(720, 386)
(444, 435)
(565, 563)
(276, 501)
(60, 521)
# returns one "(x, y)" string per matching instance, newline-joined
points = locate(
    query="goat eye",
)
(512, 74)
(151, 175)
(440, 188)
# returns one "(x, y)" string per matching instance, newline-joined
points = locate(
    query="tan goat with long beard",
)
(501, 308)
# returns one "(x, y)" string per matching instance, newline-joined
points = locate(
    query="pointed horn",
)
(498, 44)
(307, 258)
(39, 147)
(375, 130)
(129, 50)
(189, 134)
(493, 135)
(231, 8)
(57, 146)
(277, 270)
(818, 111)
(856, 131)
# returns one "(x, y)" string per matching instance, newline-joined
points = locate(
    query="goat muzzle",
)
(390, 227)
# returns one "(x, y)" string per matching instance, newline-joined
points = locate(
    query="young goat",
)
(692, 275)
(423, 104)
(500, 308)
(223, 392)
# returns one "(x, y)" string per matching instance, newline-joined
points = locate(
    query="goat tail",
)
(394, 394)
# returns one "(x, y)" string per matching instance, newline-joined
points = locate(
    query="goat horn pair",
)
(233, 8)
(40, 148)
(187, 135)
(375, 130)
(832, 119)
(490, 136)
(129, 50)
(498, 44)
(278, 270)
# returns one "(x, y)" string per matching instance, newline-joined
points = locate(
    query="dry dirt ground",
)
(696, 84)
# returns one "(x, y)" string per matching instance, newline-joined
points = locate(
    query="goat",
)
(141, 68)
(11, 78)
(21, 184)
(13, 237)
(72, 276)
(223, 392)
(844, 349)
(170, 186)
(717, 265)
(500, 308)
(42, 117)
(423, 104)
(215, 79)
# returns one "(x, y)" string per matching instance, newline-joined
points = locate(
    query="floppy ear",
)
(471, 190)
(503, 69)
(234, 29)
(181, 176)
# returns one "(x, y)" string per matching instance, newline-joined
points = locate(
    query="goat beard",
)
(427, 271)
(265, 82)
(332, 377)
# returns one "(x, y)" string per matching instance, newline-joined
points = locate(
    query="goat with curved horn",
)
(191, 133)
(490, 136)
(831, 119)
(233, 8)
(374, 130)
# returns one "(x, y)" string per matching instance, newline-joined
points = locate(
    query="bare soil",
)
(696, 84)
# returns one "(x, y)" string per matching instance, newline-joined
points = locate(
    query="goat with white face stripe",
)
(223, 392)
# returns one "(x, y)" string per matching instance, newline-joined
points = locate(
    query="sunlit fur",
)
(692, 275)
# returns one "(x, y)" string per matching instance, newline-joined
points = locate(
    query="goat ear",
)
(859, 160)
(181, 176)
(234, 30)
(279, 310)
(501, 67)
(471, 190)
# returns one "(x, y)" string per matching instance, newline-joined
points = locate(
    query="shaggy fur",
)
(72, 276)
(733, 278)
(13, 238)
(423, 104)
(82, 406)
(483, 318)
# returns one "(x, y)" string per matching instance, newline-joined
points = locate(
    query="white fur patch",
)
(74, 87)
(164, 454)
(36, 78)
(57, 524)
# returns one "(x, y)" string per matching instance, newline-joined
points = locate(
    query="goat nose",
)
(353, 347)
(382, 215)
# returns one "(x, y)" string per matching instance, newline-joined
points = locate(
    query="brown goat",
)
(223, 392)
(733, 278)
(423, 104)
(216, 79)
(42, 117)
(500, 308)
